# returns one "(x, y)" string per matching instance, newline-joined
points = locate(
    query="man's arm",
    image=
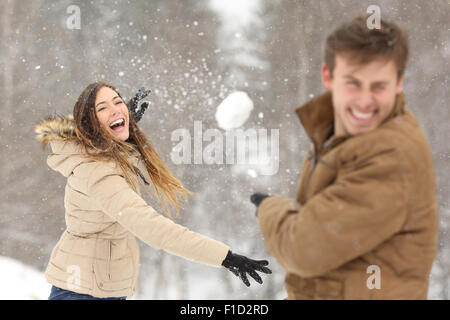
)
(365, 206)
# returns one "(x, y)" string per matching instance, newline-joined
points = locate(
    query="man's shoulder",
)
(402, 136)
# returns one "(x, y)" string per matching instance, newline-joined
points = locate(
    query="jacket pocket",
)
(112, 268)
(123, 276)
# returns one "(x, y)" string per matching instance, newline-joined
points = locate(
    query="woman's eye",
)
(100, 109)
(119, 102)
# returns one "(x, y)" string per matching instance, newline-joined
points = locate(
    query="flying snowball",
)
(252, 173)
(234, 111)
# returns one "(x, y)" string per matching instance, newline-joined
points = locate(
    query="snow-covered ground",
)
(21, 282)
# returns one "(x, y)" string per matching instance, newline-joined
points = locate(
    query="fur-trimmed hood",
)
(59, 132)
(67, 151)
(58, 127)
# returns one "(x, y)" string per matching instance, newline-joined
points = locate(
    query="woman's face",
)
(112, 113)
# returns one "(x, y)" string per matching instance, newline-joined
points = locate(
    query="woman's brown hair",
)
(99, 144)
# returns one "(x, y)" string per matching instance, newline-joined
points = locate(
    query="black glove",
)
(240, 266)
(137, 110)
(257, 198)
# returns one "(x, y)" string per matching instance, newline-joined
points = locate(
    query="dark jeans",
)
(61, 294)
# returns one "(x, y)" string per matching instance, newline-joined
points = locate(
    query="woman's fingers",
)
(243, 277)
(263, 269)
(261, 262)
(241, 265)
(255, 276)
(261, 266)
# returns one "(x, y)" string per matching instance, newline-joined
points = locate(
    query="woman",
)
(103, 154)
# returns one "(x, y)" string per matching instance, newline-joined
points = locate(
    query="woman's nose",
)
(116, 109)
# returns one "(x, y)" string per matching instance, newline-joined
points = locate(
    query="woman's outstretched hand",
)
(241, 265)
(136, 108)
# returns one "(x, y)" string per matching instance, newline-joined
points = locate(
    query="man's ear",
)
(400, 85)
(326, 77)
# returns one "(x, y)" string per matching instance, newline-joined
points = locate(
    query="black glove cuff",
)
(227, 260)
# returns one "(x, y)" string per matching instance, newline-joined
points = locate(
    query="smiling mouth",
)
(362, 117)
(118, 125)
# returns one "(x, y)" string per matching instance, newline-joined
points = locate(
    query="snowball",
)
(234, 111)
(252, 173)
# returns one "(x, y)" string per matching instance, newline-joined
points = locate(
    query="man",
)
(364, 224)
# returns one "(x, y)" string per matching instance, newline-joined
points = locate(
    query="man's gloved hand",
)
(137, 110)
(241, 265)
(257, 198)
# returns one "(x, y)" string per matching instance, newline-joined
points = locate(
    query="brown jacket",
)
(98, 253)
(364, 202)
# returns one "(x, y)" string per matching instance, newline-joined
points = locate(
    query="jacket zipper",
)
(315, 158)
(141, 175)
(311, 170)
(109, 260)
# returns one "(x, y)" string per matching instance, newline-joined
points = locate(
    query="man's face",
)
(363, 95)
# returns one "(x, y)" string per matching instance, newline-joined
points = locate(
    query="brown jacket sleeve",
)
(118, 200)
(366, 204)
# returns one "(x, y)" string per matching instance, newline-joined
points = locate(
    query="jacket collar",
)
(317, 117)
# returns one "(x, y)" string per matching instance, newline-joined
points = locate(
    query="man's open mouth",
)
(362, 117)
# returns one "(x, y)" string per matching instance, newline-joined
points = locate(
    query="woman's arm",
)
(117, 199)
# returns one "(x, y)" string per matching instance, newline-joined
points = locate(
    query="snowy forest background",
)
(192, 54)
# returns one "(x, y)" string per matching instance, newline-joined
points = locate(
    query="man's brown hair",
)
(363, 45)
